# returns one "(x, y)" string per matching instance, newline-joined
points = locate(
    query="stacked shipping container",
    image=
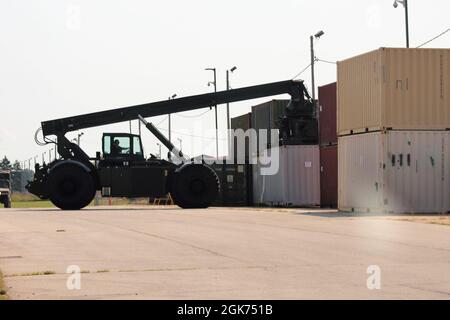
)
(266, 116)
(393, 110)
(296, 182)
(328, 146)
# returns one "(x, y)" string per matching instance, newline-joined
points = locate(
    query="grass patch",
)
(31, 274)
(103, 271)
(27, 200)
(3, 295)
(23, 197)
(443, 219)
(33, 204)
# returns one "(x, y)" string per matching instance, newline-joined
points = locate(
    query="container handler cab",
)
(121, 169)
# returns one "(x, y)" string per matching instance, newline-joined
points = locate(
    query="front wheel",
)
(71, 187)
(194, 186)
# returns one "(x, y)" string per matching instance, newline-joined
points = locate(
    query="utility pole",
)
(228, 110)
(215, 109)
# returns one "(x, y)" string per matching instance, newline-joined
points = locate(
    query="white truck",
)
(5, 188)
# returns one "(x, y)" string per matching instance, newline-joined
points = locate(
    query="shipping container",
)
(327, 114)
(394, 88)
(243, 122)
(235, 185)
(295, 183)
(394, 172)
(267, 116)
(329, 176)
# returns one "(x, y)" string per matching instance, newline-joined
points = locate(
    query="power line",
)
(190, 135)
(326, 61)
(164, 119)
(303, 70)
(439, 35)
(192, 116)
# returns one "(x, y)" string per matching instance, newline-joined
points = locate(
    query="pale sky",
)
(60, 58)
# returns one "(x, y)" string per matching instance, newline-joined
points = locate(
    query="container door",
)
(414, 172)
(360, 177)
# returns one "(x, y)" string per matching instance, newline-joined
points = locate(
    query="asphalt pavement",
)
(219, 253)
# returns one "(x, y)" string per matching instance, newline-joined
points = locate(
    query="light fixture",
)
(396, 2)
(319, 34)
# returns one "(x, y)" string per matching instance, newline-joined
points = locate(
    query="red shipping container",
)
(327, 115)
(329, 176)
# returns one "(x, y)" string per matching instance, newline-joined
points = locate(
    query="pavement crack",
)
(153, 235)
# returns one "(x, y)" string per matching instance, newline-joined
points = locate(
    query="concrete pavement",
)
(169, 253)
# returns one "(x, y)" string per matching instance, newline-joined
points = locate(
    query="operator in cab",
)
(117, 150)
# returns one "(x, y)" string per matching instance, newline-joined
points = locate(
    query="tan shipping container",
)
(394, 88)
(394, 172)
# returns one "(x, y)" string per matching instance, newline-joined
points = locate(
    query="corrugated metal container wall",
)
(327, 117)
(297, 182)
(394, 172)
(266, 115)
(329, 176)
(394, 88)
(243, 122)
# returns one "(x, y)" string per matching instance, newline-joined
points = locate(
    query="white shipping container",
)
(395, 172)
(297, 181)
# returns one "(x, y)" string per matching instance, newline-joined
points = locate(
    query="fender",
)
(71, 162)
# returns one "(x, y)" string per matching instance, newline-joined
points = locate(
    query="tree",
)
(17, 166)
(5, 164)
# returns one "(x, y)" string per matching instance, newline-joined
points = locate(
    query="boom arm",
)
(60, 127)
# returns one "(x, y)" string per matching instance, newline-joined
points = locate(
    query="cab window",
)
(107, 145)
(137, 150)
(120, 146)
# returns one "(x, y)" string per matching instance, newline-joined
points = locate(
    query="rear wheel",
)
(194, 186)
(71, 187)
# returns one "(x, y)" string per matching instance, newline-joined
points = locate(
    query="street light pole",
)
(405, 5)
(313, 91)
(407, 23)
(79, 138)
(313, 60)
(228, 110)
(215, 110)
(159, 145)
(170, 125)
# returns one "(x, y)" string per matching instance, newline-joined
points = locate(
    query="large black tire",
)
(194, 186)
(70, 187)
